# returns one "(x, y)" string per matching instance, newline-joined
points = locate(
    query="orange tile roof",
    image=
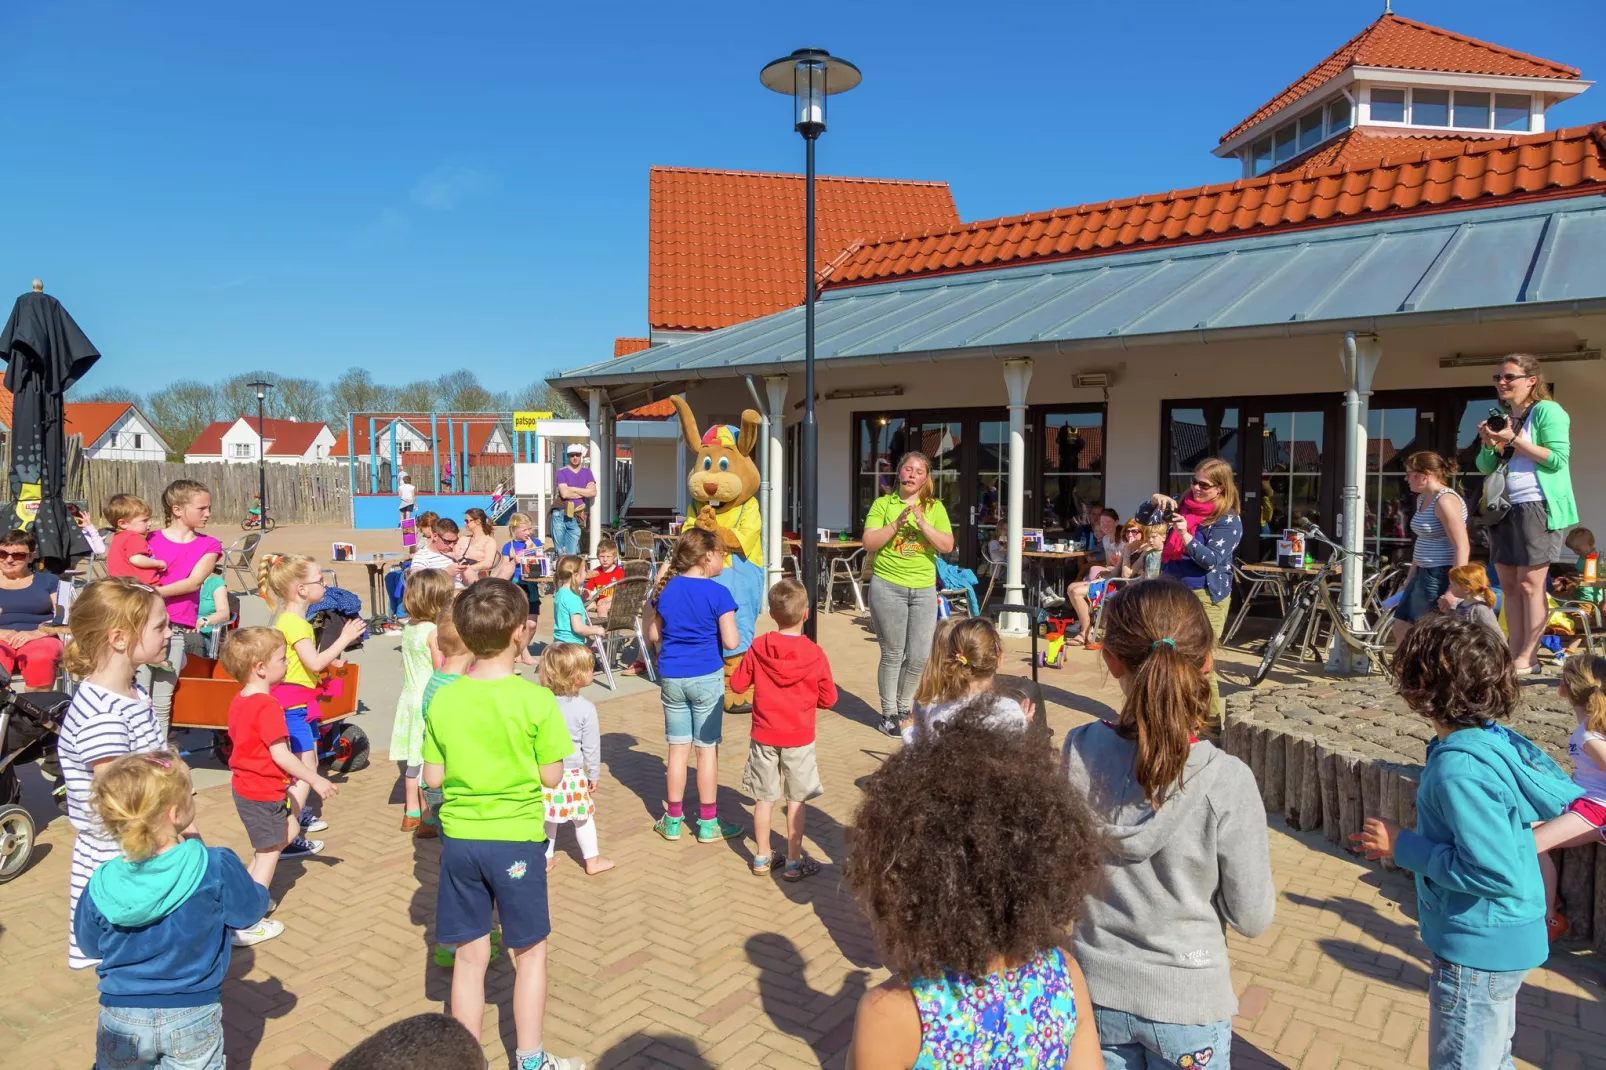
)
(1363, 145)
(91, 418)
(1404, 44)
(5, 408)
(286, 438)
(1561, 163)
(623, 347)
(727, 246)
(653, 410)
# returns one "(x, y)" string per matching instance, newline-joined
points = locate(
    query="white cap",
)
(575, 447)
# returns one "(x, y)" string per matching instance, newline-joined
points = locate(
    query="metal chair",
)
(846, 569)
(624, 623)
(1253, 586)
(995, 568)
(240, 557)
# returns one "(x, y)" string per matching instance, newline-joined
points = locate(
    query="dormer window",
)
(1301, 134)
(1461, 110)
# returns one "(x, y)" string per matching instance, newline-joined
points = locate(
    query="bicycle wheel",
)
(268, 524)
(1291, 626)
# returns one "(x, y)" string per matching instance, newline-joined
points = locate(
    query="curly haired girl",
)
(1187, 834)
(972, 924)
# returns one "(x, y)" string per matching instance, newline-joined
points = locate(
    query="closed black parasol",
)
(45, 354)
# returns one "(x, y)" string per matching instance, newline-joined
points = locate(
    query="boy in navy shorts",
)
(491, 741)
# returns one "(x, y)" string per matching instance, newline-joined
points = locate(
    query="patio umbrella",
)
(45, 354)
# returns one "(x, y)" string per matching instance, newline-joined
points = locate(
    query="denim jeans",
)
(161, 682)
(1472, 1015)
(905, 620)
(173, 1038)
(1133, 1043)
(565, 532)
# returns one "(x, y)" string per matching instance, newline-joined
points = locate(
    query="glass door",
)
(990, 488)
(1071, 460)
(1392, 435)
(1290, 451)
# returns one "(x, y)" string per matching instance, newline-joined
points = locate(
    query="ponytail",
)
(963, 650)
(1159, 633)
(277, 574)
(693, 545)
(1585, 679)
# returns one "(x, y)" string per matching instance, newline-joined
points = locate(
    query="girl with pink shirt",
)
(190, 558)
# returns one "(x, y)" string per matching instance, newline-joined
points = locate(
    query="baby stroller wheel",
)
(347, 752)
(222, 746)
(16, 841)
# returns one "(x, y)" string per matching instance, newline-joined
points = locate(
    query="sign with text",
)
(526, 421)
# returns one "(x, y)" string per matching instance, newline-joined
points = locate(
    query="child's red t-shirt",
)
(605, 576)
(256, 722)
(126, 544)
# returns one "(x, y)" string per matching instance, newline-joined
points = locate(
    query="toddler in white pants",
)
(566, 668)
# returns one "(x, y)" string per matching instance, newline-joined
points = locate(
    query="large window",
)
(1462, 110)
(1072, 459)
(1300, 134)
(1196, 431)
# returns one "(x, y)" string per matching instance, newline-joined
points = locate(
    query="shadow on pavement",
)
(821, 1019)
(653, 1050)
(247, 1005)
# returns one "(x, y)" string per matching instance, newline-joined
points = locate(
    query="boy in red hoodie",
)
(792, 679)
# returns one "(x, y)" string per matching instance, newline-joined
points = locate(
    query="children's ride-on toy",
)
(1056, 630)
(201, 700)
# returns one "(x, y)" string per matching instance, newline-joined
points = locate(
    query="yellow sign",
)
(525, 421)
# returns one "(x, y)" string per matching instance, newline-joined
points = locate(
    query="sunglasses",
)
(15, 555)
(1204, 485)
(1502, 378)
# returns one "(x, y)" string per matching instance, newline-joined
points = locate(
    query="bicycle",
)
(1314, 594)
(254, 521)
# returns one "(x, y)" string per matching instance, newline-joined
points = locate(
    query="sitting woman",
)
(1119, 550)
(27, 605)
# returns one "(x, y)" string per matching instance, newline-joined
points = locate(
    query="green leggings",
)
(1217, 612)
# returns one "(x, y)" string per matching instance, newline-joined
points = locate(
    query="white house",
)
(114, 431)
(288, 442)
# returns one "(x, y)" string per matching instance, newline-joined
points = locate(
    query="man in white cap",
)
(576, 486)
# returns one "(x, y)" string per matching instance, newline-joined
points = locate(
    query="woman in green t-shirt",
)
(905, 530)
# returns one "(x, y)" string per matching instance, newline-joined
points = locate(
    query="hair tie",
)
(961, 659)
(1168, 641)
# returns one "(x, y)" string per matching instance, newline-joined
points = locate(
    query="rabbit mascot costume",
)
(724, 483)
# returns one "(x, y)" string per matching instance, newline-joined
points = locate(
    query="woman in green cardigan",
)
(1534, 446)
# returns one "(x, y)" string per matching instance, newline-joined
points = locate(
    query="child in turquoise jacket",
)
(1480, 897)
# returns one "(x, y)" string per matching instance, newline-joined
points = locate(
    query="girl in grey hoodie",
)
(1187, 836)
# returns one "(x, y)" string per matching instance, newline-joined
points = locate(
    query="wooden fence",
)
(297, 494)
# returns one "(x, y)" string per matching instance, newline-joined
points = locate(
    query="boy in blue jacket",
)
(1480, 897)
(158, 917)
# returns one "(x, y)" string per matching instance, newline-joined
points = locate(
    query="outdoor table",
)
(824, 550)
(1039, 561)
(376, 566)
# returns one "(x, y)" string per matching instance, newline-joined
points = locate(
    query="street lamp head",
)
(809, 75)
(261, 387)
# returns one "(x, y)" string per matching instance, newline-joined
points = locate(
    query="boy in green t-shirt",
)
(491, 740)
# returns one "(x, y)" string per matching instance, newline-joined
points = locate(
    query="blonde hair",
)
(964, 650)
(1530, 366)
(608, 547)
(122, 507)
(249, 647)
(517, 521)
(1219, 472)
(570, 572)
(133, 795)
(427, 594)
(1475, 579)
(446, 638)
(1575, 537)
(180, 493)
(789, 602)
(280, 572)
(117, 603)
(1584, 677)
(566, 668)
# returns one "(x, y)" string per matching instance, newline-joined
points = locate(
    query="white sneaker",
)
(555, 1062)
(266, 929)
(317, 824)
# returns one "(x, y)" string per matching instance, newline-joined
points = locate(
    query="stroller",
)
(29, 725)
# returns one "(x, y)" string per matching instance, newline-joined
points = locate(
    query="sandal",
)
(799, 868)
(763, 864)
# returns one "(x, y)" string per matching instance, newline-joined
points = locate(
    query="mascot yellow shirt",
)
(743, 519)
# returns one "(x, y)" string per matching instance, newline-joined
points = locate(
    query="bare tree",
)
(181, 410)
(356, 391)
(303, 400)
(538, 397)
(421, 396)
(105, 393)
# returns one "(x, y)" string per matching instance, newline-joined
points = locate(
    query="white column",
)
(1359, 357)
(595, 452)
(775, 548)
(543, 507)
(608, 475)
(1017, 377)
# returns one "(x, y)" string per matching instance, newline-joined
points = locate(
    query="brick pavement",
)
(681, 958)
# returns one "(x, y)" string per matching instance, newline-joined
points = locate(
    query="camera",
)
(1498, 420)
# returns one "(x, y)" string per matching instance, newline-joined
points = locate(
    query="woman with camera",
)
(1528, 498)
(1205, 532)
(1440, 527)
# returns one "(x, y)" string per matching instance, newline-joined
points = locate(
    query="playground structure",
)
(456, 461)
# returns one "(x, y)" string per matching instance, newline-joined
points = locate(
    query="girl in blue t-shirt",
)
(694, 623)
(518, 551)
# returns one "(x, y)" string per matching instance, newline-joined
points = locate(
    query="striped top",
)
(101, 725)
(1433, 547)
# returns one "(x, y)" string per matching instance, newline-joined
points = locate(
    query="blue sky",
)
(419, 187)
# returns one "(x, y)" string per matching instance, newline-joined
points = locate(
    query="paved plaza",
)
(681, 958)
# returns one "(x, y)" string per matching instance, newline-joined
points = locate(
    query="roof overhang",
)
(1414, 272)
(1559, 88)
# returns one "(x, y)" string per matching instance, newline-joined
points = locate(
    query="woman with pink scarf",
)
(1204, 537)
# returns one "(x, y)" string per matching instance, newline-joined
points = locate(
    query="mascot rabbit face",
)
(723, 473)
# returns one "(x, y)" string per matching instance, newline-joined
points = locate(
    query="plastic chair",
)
(239, 559)
(846, 569)
(1253, 586)
(995, 568)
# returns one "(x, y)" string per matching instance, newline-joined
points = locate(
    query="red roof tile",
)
(90, 419)
(653, 410)
(481, 428)
(727, 246)
(1364, 145)
(623, 347)
(5, 408)
(1562, 163)
(286, 438)
(1403, 44)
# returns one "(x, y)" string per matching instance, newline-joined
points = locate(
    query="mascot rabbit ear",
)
(688, 424)
(749, 436)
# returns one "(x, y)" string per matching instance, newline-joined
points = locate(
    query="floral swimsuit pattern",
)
(1020, 1019)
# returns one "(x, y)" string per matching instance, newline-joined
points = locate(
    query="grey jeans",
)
(160, 682)
(905, 619)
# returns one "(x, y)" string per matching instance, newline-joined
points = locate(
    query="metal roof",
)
(1515, 261)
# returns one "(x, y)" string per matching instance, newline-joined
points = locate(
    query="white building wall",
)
(1144, 377)
(117, 443)
(656, 477)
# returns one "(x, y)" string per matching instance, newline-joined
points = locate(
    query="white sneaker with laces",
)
(266, 929)
(317, 824)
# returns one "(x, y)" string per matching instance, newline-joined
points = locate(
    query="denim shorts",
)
(477, 875)
(303, 733)
(694, 709)
(183, 1038)
(1421, 595)
(1131, 1042)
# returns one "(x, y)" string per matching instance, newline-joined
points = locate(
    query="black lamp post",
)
(262, 388)
(809, 75)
